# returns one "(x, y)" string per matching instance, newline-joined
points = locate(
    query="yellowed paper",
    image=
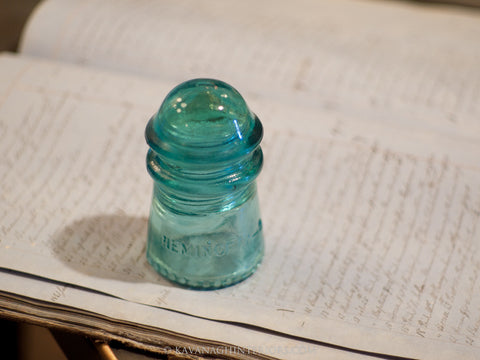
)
(399, 60)
(368, 246)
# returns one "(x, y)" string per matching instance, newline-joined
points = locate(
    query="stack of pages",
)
(370, 192)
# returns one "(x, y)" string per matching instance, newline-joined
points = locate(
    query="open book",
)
(370, 193)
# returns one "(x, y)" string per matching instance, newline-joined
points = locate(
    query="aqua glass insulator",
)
(204, 229)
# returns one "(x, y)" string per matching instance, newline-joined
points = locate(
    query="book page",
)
(371, 230)
(207, 337)
(416, 62)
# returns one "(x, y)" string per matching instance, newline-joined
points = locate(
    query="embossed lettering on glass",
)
(204, 229)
